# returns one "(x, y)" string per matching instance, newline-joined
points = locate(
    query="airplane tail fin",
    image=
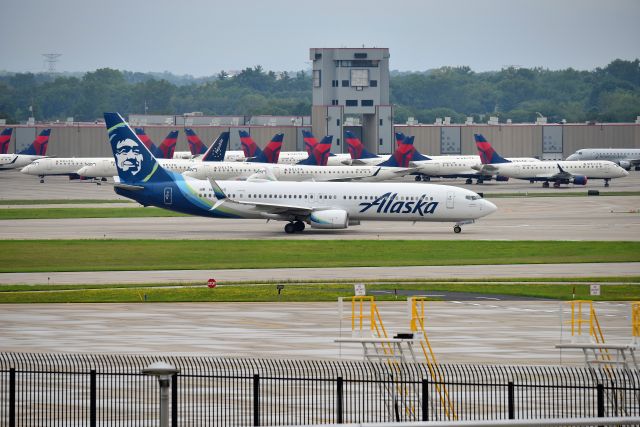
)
(271, 152)
(168, 146)
(487, 153)
(39, 145)
(218, 149)
(320, 154)
(399, 138)
(249, 146)
(401, 156)
(356, 148)
(134, 161)
(310, 141)
(149, 143)
(196, 146)
(5, 139)
(416, 155)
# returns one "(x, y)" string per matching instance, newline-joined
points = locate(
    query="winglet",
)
(217, 191)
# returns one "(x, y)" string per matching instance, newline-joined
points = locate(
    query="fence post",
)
(174, 400)
(600, 389)
(425, 400)
(93, 397)
(340, 396)
(256, 400)
(12, 397)
(511, 400)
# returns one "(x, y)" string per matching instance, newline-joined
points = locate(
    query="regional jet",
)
(323, 205)
(626, 158)
(5, 139)
(37, 150)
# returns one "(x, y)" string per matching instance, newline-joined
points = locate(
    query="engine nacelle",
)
(625, 164)
(501, 178)
(580, 180)
(329, 219)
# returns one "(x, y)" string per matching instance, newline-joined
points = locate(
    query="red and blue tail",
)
(399, 138)
(486, 152)
(416, 155)
(271, 152)
(144, 138)
(168, 146)
(402, 155)
(249, 146)
(5, 139)
(356, 148)
(218, 149)
(196, 146)
(310, 141)
(39, 145)
(320, 154)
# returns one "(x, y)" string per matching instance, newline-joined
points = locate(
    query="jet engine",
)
(329, 219)
(625, 164)
(580, 180)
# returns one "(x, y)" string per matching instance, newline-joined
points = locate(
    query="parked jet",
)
(576, 172)
(5, 139)
(321, 205)
(37, 150)
(166, 149)
(253, 153)
(625, 157)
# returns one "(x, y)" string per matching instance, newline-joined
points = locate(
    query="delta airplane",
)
(71, 166)
(5, 139)
(37, 150)
(322, 205)
(625, 157)
(166, 149)
(107, 166)
(197, 148)
(576, 172)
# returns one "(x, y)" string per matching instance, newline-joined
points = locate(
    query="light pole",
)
(163, 371)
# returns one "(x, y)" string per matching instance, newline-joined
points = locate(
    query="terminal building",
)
(350, 91)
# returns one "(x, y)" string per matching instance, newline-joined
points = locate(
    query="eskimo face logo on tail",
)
(128, 156)
(387, 204)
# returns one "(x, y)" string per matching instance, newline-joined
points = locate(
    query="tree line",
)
(609, 94)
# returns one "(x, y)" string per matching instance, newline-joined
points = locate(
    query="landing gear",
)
(556, 184)
(469, 181)
(480, 181)
(457, 229)
(545, 184)
(41, 179)
(294, 227)
(606, 182)
(418, 177)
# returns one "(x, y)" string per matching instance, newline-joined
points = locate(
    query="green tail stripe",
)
(155, 167)
(119, 125)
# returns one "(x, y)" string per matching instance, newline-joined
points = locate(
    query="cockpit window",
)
(472, 197)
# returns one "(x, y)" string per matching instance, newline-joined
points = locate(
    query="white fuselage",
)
(457, 165)
(13, 161)
(284, 172)
(599, 169)
(361, 201)
(285, 157)
(625, 157)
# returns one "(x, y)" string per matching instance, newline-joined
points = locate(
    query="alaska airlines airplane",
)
(321, 205)
(559, 172)
(625, 157)
(71, 166)
(5, 139)
(37, 150)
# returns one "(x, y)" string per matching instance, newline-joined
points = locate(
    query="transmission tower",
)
(51, 59)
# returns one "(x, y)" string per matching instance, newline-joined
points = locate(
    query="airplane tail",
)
(196, 146)
(356, 148)
(218, 149)
(416, 156)
(320, 154)
(310, 141)
(402, 155)
(5, 139)
(149, 143)
(168, 146)
(39, 145)
(271, 152)
(249, 146)
(134, 162)
(486, 152)
(399, 138)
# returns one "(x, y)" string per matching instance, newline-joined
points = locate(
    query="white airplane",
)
(37, 150)
(625, 157)
(323, 205)
(449, 166)
(559, 172)
(102, 167)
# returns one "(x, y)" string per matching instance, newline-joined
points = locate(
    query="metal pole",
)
(12, 397)
(174, 400)
(600, 389)
(425, 400)
(165, 385)
(93, 398)
(511, 399)
(256, 400)
(339, 392)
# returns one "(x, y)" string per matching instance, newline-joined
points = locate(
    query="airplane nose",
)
(488, 207)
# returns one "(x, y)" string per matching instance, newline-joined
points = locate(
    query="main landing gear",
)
(424, 178)
(545, 184)
(294, 227)
(41, 179)
(457, 229)
(606, 182)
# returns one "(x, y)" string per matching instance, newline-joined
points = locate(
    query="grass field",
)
(299, 292)
(27, 202)
(96, 255)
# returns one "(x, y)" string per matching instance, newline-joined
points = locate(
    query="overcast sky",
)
(201, 37)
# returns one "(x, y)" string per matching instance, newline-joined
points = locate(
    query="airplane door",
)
(450, 199)
(168, 195)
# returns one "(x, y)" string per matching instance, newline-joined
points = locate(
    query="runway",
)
(488, 332)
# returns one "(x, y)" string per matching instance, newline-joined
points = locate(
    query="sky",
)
(201, 38)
